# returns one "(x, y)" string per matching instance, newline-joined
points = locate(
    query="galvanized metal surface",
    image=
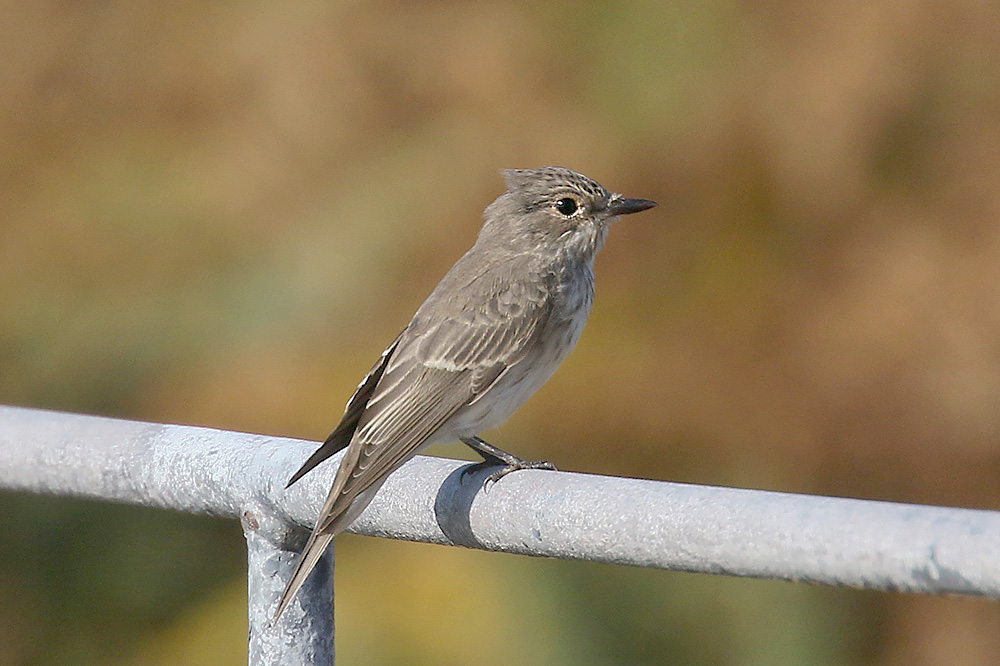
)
(834, 541)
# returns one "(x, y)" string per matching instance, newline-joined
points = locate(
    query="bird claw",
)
(472, 469)
(507, 468)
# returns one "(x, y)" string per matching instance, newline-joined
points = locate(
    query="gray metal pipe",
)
(878, 545)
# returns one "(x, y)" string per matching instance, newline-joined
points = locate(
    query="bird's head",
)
(558, 208)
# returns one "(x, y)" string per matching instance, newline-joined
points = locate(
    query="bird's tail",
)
(314, 549)
(320, 540)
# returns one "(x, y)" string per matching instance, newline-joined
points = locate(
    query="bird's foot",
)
(494, 457)
(515, 466)
(506, 467)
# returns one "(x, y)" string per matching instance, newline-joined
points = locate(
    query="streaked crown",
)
(546, 185)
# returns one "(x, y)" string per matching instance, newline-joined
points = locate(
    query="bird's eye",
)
(567, 206)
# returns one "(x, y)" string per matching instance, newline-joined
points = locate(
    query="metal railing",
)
(833, 541)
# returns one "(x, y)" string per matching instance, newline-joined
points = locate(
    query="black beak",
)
(620, 205)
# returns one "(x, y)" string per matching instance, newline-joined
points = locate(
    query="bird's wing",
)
(438, 367)
(445, 359)
(342, 434)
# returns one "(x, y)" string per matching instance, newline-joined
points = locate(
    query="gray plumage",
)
(490, 334)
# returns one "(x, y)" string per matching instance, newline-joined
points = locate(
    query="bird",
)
(490, 334)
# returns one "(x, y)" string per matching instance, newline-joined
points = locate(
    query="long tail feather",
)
(345, 511)
(314, 550)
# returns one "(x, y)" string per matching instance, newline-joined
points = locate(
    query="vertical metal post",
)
(304, 634)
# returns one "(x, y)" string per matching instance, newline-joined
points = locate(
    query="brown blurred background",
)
(219, 214)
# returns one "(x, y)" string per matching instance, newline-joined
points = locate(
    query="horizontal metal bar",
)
(834, 541)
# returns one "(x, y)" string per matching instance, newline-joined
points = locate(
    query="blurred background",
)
(219, 214)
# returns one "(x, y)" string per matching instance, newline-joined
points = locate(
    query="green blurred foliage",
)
(218, 214)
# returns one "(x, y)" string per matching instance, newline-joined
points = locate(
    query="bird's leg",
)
(494, 456)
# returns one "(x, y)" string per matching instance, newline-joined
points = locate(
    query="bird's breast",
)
(571, 308)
